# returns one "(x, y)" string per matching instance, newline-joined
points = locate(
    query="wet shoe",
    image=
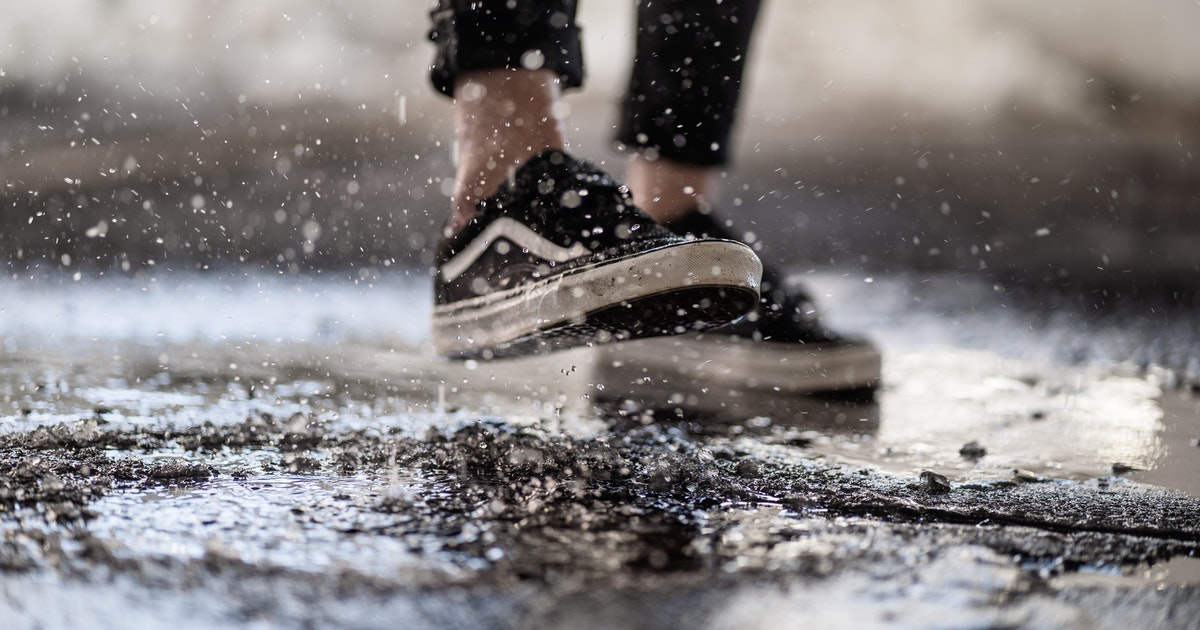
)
(560, 257)
(781, 346)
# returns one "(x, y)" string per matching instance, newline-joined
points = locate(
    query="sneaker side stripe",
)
(517, 232)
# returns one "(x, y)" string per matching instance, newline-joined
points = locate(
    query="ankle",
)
(667, 190)
(502, 118)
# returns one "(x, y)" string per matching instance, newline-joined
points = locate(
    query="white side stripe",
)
(519, 234)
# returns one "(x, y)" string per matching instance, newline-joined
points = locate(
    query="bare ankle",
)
(669, 190)
(502, 118)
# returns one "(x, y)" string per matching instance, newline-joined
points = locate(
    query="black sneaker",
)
(781, 346)
(561, 257)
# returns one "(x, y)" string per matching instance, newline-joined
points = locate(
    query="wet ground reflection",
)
(340, 460)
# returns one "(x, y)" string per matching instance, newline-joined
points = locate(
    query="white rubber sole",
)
(470, 327)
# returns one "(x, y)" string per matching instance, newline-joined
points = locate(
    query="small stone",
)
(1027, 476)
(52, 483)
(798, 441)
(747, 468)
(934, 483)
(972, 450)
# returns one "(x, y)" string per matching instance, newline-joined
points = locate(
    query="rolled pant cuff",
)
(491, 36)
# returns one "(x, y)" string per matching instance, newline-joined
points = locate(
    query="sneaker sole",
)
(716, 360)
(686, 286)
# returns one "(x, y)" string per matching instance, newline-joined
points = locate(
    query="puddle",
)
(1059, 422)
(1178, 461)
(1177, 570)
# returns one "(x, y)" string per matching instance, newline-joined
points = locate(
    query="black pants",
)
(687, 69)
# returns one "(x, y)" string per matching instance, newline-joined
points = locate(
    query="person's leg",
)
(504, 64)
(669, 190)
(543, 250)
(502, 118)
(678, 116)
(680, 107)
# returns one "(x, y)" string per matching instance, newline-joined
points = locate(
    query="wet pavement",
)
(220, 447)
(267, 450)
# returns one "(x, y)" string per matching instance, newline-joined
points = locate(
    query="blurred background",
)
(1020, 141)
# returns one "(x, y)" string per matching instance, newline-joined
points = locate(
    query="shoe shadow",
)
(730, 410)
(583, 382)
